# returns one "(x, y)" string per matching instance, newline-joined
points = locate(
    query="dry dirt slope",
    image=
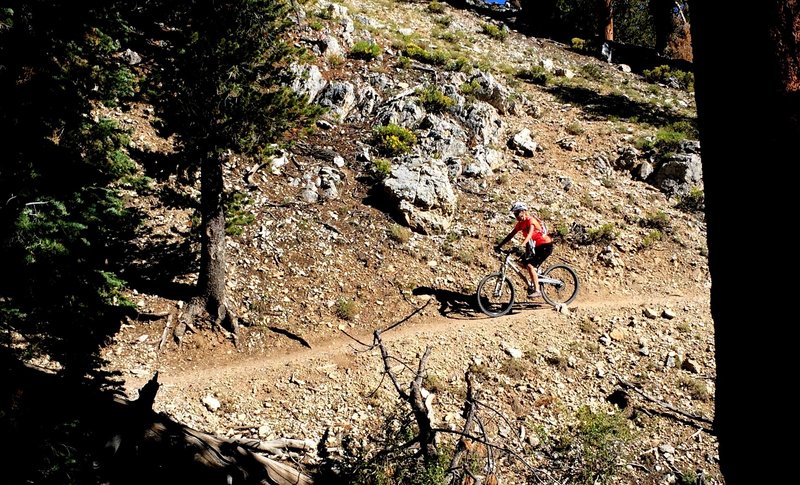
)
(642, 316)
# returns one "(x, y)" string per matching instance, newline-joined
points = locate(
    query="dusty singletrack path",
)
(527, 319)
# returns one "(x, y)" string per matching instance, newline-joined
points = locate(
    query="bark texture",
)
(748, 118)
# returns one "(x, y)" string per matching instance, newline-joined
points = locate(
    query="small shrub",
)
(593, 72)
(696, 388)
(575, 128)
(399, 233)
(471, 88)
(403, 62)
(316, 25)
(436, 7)
(366, 50)
(381, 168)
(443, 20)
(434, 100)
(578, 44)
(465, 256)
(436, 57)
(690, 478)
(600, 439)
(603, 234)
(324, 14)
(480, 371)
(652, 237)
(587, 326)
(665, 75)
(556, 360)
(346, 309)
(694, 201)
(534, 74)
(495, 32)
(434, 383)
(393, 139)
(656, 220)
(459, 64)
(515, 368)
(335, 60)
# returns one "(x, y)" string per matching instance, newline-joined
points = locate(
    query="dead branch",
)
(164, 334)
(666, 405)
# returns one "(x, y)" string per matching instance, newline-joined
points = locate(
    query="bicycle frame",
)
(509, 263)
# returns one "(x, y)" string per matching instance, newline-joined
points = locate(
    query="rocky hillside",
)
(345, 233)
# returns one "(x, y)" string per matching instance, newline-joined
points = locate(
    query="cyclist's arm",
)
(508, 238)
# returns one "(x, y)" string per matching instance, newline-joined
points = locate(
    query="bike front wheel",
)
(564, 290)
(495, 295)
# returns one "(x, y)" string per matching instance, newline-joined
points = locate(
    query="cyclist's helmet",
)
(518, 206)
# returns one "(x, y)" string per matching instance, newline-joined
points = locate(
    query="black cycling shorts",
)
(537, 257)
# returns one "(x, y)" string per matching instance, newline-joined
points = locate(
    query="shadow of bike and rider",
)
(454, 304)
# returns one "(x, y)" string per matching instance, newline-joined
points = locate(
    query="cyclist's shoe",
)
(532, 293)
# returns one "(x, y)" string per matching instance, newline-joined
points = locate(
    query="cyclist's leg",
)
(533, 278)
(536, 260)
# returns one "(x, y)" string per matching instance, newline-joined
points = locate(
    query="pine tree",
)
(223, 88)
(60, 214)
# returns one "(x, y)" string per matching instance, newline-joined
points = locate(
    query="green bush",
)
(433, 99)
(365, 49)
(382, 168)
(459, 64)
(668, 139)
(534, 74)
(436, 7)
(578, 44)
(436, 57)
(652, 237)
(346, 309)
(665, 75)
(593, 72)
(600, 439)
(393, 139)
(495, 32)
(443, 20)
(602, 235)
(694, 201)
(399, 233)
(656, 220)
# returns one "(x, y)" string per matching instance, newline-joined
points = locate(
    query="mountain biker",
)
(538, 245)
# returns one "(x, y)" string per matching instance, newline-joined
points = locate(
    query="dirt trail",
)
(425, 324)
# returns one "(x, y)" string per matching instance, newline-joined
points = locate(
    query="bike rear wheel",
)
(563, 292)
(495, 295)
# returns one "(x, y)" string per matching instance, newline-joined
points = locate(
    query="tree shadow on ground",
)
(604, 106)
(451, 302)
(152, 269)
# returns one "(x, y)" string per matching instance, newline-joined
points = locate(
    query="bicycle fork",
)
(498, 287)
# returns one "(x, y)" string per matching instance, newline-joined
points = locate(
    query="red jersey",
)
(529, 224)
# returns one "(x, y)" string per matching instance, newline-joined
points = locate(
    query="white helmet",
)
(518, 206)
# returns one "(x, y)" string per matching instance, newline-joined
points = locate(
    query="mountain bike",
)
(558, 283)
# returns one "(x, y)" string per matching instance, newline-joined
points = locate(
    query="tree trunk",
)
(605, 17)
(661, 10)
(749, 120)
(212, 277)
